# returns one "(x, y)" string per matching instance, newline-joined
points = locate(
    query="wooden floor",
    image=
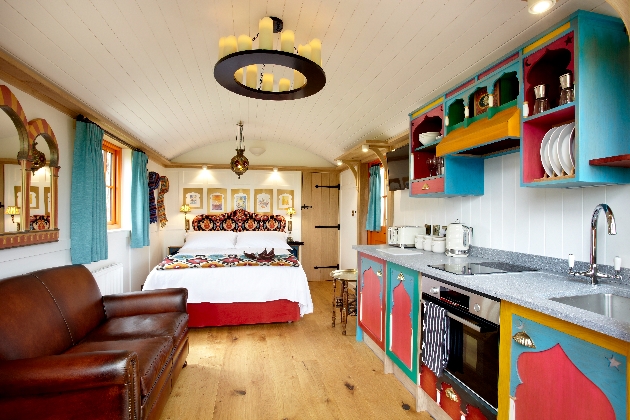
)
(303, 370)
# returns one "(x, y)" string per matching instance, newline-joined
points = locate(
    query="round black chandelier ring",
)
(226, 67)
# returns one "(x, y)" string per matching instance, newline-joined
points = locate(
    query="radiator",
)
(109, 279)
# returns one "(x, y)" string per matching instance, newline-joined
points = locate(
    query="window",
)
(112, 164)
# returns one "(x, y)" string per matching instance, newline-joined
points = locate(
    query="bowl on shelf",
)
(428, 137)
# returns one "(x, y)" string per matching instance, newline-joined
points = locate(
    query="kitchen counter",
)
(529, 289)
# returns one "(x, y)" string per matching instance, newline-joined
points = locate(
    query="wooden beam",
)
(351, 165)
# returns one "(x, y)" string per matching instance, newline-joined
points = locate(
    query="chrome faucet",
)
(612, 230)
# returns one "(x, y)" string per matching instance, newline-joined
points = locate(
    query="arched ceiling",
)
(147, 65)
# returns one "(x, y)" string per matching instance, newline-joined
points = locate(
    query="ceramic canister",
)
(419, 241)
(427, 244)
(438, 245)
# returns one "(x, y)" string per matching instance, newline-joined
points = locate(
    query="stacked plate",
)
(428, 137)
(557, 150)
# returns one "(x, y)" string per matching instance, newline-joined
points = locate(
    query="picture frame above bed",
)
(240, 198)
(263, 199)
(218, 201)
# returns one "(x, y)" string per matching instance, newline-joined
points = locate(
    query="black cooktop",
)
(489, 267)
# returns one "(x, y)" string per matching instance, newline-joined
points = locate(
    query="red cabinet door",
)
(372, 280)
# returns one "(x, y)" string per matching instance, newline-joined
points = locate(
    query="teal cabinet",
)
(403, 326)
(594, 50)
(557, 375)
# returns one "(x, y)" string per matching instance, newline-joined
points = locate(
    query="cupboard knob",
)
(425, 186)
(379, 273)
(401, 277)
(477, 308)
(451, 395)
(435, 290)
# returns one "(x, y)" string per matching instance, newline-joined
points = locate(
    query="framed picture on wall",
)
(240, 198)
(264, 201)
(285, 199)
(218, 201)
(33, 197)
(193, 197)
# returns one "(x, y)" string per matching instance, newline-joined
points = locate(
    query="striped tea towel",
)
(435, 340)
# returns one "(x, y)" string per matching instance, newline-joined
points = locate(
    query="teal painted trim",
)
(411, 285)
(427, 146)
(496, 109)
(549, 111)
(451, 128)
(591, 360)
(424, 105)
(359, 336)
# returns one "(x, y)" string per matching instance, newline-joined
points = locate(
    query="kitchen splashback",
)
(547, 222)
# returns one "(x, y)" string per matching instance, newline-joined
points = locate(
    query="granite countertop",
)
(529, 289)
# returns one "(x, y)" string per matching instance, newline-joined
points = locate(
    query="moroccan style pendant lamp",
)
(239, 163)
(239, 66)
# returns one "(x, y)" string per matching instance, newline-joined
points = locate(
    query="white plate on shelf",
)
(544, 156)
(552, 150)
(564, 147)
(572, 147)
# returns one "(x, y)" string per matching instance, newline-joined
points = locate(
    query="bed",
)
(238, 269)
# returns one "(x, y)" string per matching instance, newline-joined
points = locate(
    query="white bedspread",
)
(236, 284)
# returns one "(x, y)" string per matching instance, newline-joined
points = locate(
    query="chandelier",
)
(239, 163)
(238, 67)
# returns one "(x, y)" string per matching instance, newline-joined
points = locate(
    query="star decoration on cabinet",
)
(614, 363)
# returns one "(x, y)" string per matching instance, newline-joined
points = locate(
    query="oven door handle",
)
(464, 321)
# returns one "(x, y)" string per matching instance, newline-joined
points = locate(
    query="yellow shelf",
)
(506, 123)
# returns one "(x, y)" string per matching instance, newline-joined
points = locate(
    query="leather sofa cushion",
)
(169, 324)
(153, 355)
(30, 322)
(77, 295)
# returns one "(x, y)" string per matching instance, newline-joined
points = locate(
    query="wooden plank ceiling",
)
(147, 65)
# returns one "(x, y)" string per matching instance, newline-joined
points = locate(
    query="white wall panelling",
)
(547, 221)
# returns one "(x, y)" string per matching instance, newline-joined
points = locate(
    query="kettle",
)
(458, 237)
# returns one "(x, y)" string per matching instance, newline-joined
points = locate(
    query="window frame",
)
(116, 152)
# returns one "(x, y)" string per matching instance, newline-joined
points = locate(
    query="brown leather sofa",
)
(66, 352)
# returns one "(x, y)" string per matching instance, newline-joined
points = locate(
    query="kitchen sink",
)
(607, 304)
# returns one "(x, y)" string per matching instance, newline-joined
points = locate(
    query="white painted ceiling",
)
(147, 65)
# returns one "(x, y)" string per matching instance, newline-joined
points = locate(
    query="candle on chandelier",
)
(287, 41)
(221, 47)
(305, 51)
(316, 51)
(267, 82)
(244, 43)
(265, 37)
(250, 76)
(238, 76)
(231, 45)
(298, 79)
(284, 85)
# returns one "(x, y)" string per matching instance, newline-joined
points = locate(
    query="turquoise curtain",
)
(139, 200)
(373, 221)
(88, 210)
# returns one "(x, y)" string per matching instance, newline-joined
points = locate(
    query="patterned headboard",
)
(239, 221)
(40, 222)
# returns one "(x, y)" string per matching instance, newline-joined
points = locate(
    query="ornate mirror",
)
(29, 163)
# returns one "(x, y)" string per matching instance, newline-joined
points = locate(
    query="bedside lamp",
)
(290, 213)
(185, 209)
(13, 211)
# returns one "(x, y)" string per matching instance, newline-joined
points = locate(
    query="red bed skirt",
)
(240, 313)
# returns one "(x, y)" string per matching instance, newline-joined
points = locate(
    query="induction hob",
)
(488, 267)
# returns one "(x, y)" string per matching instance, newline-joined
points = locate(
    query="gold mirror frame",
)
(27, 133)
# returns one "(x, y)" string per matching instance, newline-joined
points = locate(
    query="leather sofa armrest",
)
(146, 302)
(68, 372)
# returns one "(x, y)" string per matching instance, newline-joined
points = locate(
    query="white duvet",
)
(236, 284)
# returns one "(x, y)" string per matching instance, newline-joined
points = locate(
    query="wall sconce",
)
(290, 212)
(185, 209)
(365, 148)
(13, 211)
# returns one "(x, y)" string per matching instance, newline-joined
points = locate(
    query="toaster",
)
(404, 236)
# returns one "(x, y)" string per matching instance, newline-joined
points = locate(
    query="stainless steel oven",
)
(473, 357)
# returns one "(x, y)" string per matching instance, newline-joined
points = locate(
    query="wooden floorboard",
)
(303, 370)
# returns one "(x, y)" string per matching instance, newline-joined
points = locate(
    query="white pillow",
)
(262, 240)
(209, 239)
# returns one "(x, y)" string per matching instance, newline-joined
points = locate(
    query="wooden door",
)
(321, 245)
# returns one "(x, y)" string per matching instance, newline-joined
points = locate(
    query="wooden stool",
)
(347, 302)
